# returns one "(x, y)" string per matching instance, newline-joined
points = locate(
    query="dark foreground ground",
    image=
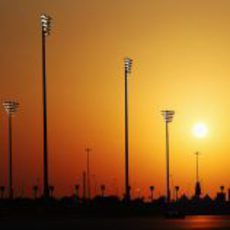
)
(110, 213)
(158, 223)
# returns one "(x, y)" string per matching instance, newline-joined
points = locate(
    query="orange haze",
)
(181, 52)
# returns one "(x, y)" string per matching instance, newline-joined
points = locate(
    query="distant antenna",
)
(84, 185)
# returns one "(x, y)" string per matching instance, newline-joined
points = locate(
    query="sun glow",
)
(200, 130)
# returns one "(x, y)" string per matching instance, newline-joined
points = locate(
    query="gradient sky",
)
(181, 52)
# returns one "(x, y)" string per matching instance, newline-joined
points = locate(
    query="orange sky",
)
(181, 52)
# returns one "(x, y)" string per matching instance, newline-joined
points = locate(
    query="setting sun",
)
(200, 130)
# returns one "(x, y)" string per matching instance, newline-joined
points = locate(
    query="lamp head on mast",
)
(11, 107)
(168, 115)
(128, 64)
(46, 24)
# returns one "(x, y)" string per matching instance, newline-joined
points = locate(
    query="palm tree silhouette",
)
(35, 190)
(102, 190)
(2, 191)
(77, 187)
(177, 188)
(151, 188)
(222, 188)
(51, 190)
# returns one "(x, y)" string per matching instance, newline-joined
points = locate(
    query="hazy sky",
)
(181, 52)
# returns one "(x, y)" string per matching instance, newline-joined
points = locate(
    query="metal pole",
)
(84, 185)
(45, 148)
(197, 177)
(10, 157)
(197, 166)
(88, 174)
(167, 162)
(127, 187)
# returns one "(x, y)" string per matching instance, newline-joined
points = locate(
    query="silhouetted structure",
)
(35, 191)
(10, 107)
(222, 188)
(197, 189)
(84, 185)
(88, 150)
(151, 188)
(51, 190)
(45, 28)
(103, 190)
(221, 196)
(94, 179)
(168, 117)
(2, 191)
(128, 65)
(177, 188)
(197, 184)
(76, 189)
(112, 206)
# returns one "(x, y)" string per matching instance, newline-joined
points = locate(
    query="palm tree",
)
(77, 186)
(151, 188)
(222, 188)
(102, 190)
(177, 188)
(35, 190)
(2, 190)
(51, 190)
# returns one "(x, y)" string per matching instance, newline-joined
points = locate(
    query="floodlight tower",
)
(11, 108)
(45, 29)
(168, 117)
(128, 67)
